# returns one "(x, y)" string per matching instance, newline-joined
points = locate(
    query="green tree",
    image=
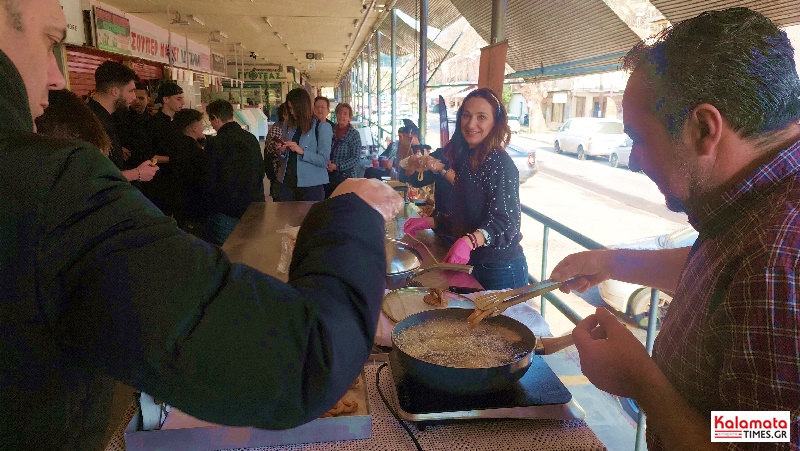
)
(506, 96)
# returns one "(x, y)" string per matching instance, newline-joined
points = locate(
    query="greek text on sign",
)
(262, 75)
(750, 426)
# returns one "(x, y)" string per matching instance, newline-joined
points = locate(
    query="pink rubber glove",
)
(414, 225)
(459, 252)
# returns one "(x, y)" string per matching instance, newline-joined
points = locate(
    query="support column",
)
(378, 83)
(361, 88)
(369, 84)
(423, 69)
(493, 57)
(393, 62)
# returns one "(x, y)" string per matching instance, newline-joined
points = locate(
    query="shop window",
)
(580, 107)
(558, 112)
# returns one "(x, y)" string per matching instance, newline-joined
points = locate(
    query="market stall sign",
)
(262, 75)
(149, 41)
(113, 32)
(217, 63)
(74, 15)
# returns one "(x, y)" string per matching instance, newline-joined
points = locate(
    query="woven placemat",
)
(478, 435)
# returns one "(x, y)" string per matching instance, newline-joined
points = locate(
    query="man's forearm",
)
(653, 268)
(672, 419)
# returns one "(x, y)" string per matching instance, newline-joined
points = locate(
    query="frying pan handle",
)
(453, 267)
(550, 345)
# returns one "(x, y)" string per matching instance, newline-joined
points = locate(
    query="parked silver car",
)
(589, 136)
(634, 300)
(621, 154)
(525, 161)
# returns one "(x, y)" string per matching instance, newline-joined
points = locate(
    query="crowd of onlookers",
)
(204, 183)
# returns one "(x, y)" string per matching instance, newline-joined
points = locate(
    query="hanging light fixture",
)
(196, 19)
(178, 21)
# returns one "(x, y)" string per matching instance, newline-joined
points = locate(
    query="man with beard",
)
(132, 124)
(115, 84)
(712, 106)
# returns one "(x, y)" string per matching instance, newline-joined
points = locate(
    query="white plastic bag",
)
(287, 247)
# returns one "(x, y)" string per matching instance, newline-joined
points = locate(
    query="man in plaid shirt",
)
(712, 106)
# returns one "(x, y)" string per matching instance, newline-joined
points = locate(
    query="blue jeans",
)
(219, 227)
(500, 275)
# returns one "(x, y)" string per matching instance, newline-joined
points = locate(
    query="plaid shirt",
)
(345, 153)
(731, 340)
(271, 155)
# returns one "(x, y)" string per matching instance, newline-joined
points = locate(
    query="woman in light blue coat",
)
(305, 154)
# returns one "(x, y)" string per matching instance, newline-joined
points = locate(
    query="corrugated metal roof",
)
(441, 13)
(782, 12)
(408, 42)
(563, 33)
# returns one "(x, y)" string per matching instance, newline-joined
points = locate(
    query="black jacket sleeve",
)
(133, 297)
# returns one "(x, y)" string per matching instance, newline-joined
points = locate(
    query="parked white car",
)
(634, 300)
(621, 154)
(589, 136)
(513, 123)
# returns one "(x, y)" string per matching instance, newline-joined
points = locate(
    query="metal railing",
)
(566, 310)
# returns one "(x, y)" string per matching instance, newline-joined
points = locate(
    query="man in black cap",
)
(414, 146)
(170, 95)
(410, 174)
(164, 137)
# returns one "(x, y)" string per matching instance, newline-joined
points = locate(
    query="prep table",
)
(256, 242)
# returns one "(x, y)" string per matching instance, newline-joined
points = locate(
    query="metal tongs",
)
(493, 304)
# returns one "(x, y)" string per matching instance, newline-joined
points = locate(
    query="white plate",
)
(404, 302)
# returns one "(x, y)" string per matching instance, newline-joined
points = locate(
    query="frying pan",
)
(473, 380)
(403, 263)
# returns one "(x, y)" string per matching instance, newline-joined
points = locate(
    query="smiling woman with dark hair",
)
(485, 213)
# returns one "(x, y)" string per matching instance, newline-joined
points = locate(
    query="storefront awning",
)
(782, 12)
(581, 35)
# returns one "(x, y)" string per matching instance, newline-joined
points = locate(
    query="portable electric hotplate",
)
(539, 394)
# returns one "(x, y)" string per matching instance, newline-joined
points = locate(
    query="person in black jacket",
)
(236, 173)
(133, 126)
(115, 86)
(165, 188)
(190, 164)
(101, 289)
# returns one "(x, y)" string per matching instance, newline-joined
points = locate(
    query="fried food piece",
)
(342, 407)
(426, 210)
(435, 298)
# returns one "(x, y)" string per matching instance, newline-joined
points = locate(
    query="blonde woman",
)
(344, 150)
